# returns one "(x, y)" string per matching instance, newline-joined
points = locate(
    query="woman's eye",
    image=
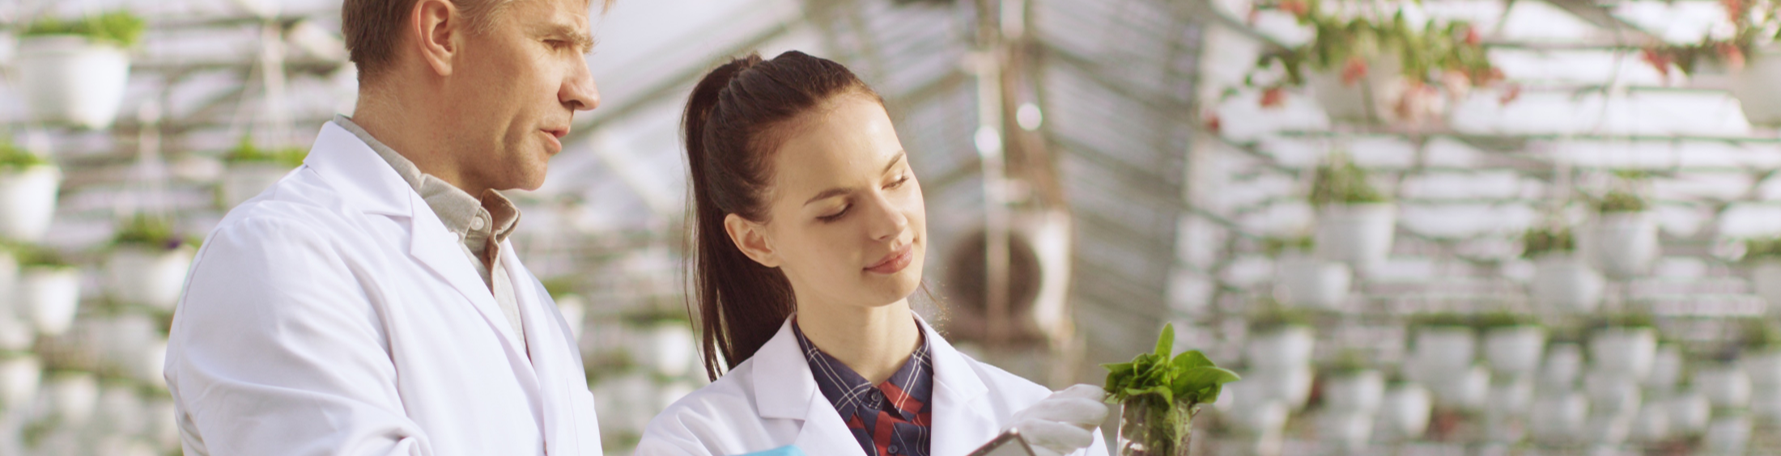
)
(899, 182)
(835, 216)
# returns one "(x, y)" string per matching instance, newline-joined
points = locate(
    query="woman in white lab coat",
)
(810, 233)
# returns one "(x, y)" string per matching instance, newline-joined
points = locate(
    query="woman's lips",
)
(896, 261)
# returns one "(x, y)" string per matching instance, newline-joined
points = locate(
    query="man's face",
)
(521, 81)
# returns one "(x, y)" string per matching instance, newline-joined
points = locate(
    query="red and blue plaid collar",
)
(891, 418)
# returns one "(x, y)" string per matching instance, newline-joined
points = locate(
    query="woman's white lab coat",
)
(335, 314)
(771, 400)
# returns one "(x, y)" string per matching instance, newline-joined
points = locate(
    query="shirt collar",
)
(477, 220)
(852, 395)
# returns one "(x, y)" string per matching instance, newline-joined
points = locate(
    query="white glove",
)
(1064, 422)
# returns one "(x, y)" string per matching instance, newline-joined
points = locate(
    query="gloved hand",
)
(787, 450)
(1064, 422)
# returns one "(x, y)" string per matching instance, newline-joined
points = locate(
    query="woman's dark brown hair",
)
(736, 117)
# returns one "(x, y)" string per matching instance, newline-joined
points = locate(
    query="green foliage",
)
(1625, 320)
(1543, 240)
(247, 152)
(1169, 383)
(152, 232)
(120, 28)
(1347, 362)
(1425, 50)
(1758, 334)
(13, 157)
(1271, 316)
(1341, 182)
(1276, 246)
(560, 286)
(1619, 201)
(1762, 249)
(1504, 319)
(38, 256)
(1441, 319)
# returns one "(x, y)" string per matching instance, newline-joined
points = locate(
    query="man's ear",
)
(437, 27)
(751, 238)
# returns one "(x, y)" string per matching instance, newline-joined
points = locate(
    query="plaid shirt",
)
(889, 419)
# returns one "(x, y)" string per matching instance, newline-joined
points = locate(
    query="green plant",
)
(1762, 249)
(120, 28)
(1271, 316)
(1349, 361)
(1161, 394)
(1544, 240)
(1756, 334)
(1504, 319)
(13, 157)
(38, 256)
(1428, 52)
(1341, 182)
(1275, 246)
(247, 152)
(1619, 201)
(1441, 319)
(1624, 320)
(560, 286)
(152, 232)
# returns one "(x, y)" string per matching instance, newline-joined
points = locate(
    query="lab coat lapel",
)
(961, 420)
(438, 249)
(785, 389)
(558, 367)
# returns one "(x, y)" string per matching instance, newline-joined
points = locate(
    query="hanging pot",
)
(1625, 243)
(1765, 278)
(1356, 391)
(1652, 424)
(1289, 385)
(1558, 417)
(72, 80)
(1666, 369)
(1466, 390)
(1765, 403)
(49, 298)
(574, 310)
(1753, 86)
(1726, 386)
(1612, 394)
(1348, 101)
(1404, 412)
(1253, 411)
(1727, 435)
(1443, 353)
(246, 180)
(19, 378)
(1348, 430)
(1514, 350)
(1627, 351)
(147, 276)
(1564, 362)
(1357, 234)
(1284, 348)
(74, 396)
(1689, 412)
(28, 201)
(1311, 283)
(1763, 366)
(1563, 282)
(15, 334)
(120, 409)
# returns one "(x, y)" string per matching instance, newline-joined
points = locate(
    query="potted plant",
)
(1558, 416)
(1442, 348)
(1513, 343)
(48, 289)
(1559, 279)
(1355, 222)
(148, 264)
(1564, 363)
(1159, 395)
(1279, 338)
(571, 304)
(1624, 344)
(1404, 410)
(75, 71)
(1305, 281)
(1760, 358)
(28, 185)
(664, 343)
(1666, 368)
(1350, 384)
(1378, 65)
(1743, 62)
(1689, 412)
(1624, 233)
(252, 169)
(20, 375)
(1763, 257)
(73, 395)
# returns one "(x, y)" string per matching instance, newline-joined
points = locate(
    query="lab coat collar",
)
(561, 374)
(347, 163)
(784, 388)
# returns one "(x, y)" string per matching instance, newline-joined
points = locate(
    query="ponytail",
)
(741, 303)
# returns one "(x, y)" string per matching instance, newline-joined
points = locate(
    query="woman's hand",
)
(1064, 422)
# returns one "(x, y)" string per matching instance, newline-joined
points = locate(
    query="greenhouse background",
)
(1530, 227)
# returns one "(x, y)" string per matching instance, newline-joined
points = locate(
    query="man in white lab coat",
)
(369, 303)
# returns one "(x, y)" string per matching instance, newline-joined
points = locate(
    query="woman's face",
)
(846, 221)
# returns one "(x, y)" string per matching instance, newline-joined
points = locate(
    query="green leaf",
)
(1166, 343)
(1191, 359)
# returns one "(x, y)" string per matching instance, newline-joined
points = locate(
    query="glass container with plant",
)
(1159, 396)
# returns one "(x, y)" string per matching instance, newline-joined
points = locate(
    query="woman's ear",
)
(751, 238)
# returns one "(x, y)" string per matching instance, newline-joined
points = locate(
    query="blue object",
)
(787, 450)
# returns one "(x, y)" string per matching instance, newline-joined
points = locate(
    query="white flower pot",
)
(1765, 403)
(1404, 413)
(71, 80)
(28, 202)
(1689, 412)
(74, 397)
(1652, 424)
(120, 410)
(1443, 353)
(1728, 435)
(1357, 234)
(15, 334)
(1349, 102)
(1558, 417)
(1754, 87)
(1311, 283)
(1628, 351)
(243, 181)
(574, 310)
(145, 276)
(1763, 366)
(1291, 385)
(1765, 280)
(1724, 385)
(1566, 283)
(1612, 394)
(1625, 243)
(49, 298)
(1348, 430)
(1466, 390)
(1516, 350)
(1510, 397)
(1360, 391)
(1282, 348)
(1608, 430)
(1252, 410)
(163, 424)
(668, 349)
(19, 379)
(1564, 362)
(1666, 369)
